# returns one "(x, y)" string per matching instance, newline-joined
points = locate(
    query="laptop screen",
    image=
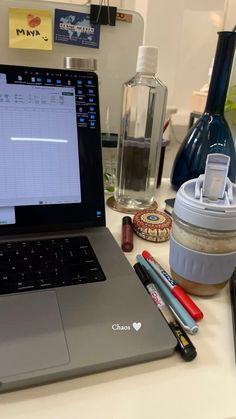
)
(50, 159)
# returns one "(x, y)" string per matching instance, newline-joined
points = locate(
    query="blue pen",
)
(178, 310)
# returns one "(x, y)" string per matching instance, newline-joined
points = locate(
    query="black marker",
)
(184, 345)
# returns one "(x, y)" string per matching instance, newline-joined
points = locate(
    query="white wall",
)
(230, 22)
(185, 31)
(201, 21)
(116, 3)
(230, 14)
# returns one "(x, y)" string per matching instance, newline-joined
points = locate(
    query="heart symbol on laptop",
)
(137, 326)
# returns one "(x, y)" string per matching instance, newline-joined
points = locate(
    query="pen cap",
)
(203, 238)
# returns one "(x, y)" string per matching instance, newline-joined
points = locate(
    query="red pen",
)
(166, 124)
(175, 289)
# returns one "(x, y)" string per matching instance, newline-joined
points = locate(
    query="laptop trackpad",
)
(31, 333)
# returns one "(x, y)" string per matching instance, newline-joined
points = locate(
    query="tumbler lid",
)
(210, 200)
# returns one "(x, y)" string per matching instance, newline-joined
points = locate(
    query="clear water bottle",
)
(139, 145)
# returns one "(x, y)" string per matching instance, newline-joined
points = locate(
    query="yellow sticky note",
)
(30, 28)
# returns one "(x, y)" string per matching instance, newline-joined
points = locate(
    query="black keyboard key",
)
(41, 264)
(46, 283)
(26, 285)
(4, 277)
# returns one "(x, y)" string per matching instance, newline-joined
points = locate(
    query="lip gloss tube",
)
(127, 234)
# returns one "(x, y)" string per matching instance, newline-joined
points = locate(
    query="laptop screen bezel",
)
(65, 217)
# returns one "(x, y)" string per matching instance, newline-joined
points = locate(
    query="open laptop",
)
(70, 303)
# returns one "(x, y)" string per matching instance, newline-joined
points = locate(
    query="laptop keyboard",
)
(40, 264)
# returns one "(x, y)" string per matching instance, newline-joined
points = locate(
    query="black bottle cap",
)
(127, 220)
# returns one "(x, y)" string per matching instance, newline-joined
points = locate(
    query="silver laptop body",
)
(56, 332)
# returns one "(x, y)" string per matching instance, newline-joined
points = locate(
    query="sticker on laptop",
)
(118, 327)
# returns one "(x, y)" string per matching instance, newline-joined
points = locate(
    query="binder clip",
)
(103, 15)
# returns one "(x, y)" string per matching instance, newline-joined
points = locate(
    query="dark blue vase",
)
(211, 133)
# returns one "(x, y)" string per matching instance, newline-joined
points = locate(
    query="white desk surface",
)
(169, 388)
